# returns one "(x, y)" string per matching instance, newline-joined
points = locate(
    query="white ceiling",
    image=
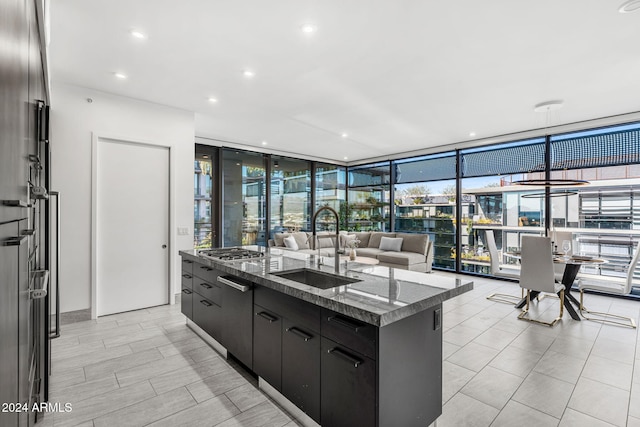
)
(394, 75)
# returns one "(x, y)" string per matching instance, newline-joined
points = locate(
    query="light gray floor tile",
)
(246, 396)
(182, 347)
(108, 334)
(203, 353)
(454, 377)
(573, 418)
(600, 401)
(571, 346)
(151, 369)
(133, 336)
(546, 394)
(85, 328)
(634, 401)
(473, 356)
(215, 385)
(206, 414)
(614, 350)
(460, 335)
(66, 378)
(463, 410)
(495, 338)
(76, 350)
(561, 366)
(516, 361)
(609, 372)
(85, 390)
(517, 414)
(149, 343)
(108, 367)
(533, 340)
(448, 349)
(189, 375)
(633, 422)
(265, 414)
(492, 386)
(82, 360)
(148, 411)
(104, 404)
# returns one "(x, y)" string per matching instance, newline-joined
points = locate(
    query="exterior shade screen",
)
(426, 169)
(507, 159)
(590, 150)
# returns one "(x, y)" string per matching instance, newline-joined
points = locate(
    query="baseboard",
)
(75, 316)
(292, 409)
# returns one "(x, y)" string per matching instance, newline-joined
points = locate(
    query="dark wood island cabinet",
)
(345, 356)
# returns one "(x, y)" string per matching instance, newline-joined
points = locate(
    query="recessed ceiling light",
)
(309, 28)
(345, 158)
(543, 107)
(344, 135)
(205, 156)
(248, 74)
(472, 134)
(629, 6)
(213, 100)
(138, 34)
(120, 76)
(264, 142)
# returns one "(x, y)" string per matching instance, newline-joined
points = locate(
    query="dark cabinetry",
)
(221, 305)
(286, 347)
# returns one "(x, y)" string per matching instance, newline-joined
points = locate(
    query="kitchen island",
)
(365, 351)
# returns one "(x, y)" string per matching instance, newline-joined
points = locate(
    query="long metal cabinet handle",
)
(295, 331)
(41, 291)
(345, 356)
(267, 316)
(343, 322)
(234, 285)
(14, 241)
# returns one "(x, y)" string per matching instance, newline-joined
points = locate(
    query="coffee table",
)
(360, 259)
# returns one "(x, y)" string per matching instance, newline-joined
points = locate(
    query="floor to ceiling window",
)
(330, 184)
(203, 195)
(497, 205)
(290, 185)
(369, 197)
(244, 198)
(425, 202)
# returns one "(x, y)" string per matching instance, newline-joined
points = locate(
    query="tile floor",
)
(147, 368)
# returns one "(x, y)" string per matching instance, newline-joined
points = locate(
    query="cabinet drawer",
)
(205, 272)
(350, 332)
(299, 312)
(187, 266)
(187, 279)
(209, 290)
(186, 302)
(207, 315)
(267, 346)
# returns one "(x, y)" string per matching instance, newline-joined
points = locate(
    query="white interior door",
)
(132, 226)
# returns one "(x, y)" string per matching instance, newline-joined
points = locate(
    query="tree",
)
(416, 190)
(450, 192)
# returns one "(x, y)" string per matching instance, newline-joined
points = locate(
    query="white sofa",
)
(416, 250)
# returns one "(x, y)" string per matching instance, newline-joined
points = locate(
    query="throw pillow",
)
(393, 244)
(290, 242)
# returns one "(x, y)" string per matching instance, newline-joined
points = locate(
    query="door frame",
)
(97, 138)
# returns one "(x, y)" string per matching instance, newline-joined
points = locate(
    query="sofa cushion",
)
(414, 242)
(300, 236)
(290, 243)
(364, 239)
(401, 258)
(325, 241)
(368, 252)
(390, 244)
(346, 238)
(279, 238)
(374, 239)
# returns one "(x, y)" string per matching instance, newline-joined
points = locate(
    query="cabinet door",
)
(348, 395)
(237, 330)
(267, 346)
(208, 315)
(186, 302)
(301, 368)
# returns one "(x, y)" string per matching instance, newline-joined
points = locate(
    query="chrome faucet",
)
(337, 242)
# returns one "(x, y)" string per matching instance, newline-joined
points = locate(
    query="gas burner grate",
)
(230, 254)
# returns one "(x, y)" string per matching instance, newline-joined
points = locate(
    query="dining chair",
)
(537, 274)
(500, 270)
(617, 286)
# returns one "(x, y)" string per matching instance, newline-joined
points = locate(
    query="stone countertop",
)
(382, 295)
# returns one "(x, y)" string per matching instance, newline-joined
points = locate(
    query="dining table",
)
(572, 265)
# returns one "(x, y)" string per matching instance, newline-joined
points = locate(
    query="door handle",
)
(164, 246)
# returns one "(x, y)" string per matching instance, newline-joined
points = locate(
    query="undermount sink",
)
(317, 279)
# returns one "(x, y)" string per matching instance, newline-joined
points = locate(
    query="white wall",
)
(73, 120)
